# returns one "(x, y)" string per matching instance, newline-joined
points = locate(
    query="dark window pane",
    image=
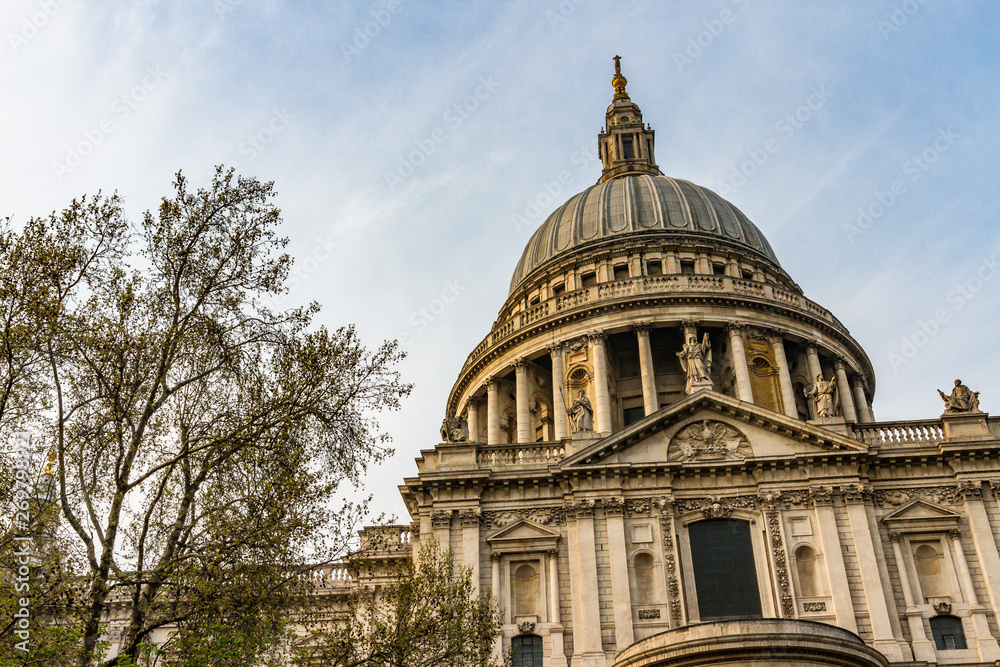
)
(527, 651)
(632, 415)
(627, 148)
(948, 633)
(724, 573)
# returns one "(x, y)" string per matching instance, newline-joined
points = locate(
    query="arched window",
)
(948, 633)
(724, 572)
(527, 650)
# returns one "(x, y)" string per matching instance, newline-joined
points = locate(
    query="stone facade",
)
(586, 519)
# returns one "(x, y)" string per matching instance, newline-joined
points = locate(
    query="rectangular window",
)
(724, 572)
(588, 280)
(621, 272)
(627, 149)
(747, 275)
(558, 290)
(719, 269)
(687, 266)
(535, 300)
(654, 268)
(632, 415)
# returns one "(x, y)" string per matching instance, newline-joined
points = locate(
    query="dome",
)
(638, 204)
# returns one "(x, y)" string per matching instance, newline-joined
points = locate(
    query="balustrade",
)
(898, 433)
(513, 455)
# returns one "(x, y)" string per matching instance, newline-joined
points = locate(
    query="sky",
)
(415, 146)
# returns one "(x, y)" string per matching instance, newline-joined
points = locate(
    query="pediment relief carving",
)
(708, 426)
(920, 512)
(708, 440)
(522, 530)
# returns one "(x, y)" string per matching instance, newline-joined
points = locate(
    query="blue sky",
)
(416, 145)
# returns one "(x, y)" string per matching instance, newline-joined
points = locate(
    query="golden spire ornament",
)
(619, 81)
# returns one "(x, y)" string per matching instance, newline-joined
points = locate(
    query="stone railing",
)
(335, 575)
(500, 456)
(646, 285)
(387, 538)
(901, 432)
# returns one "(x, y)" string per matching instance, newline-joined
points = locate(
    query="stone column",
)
(498, 640)
(441, 525)
(472, 418)
(985, 642)
(861, 403)
(923, 648)
(602, 411)
(784, 375)
(470, 542)
(650, 400)
(812, 359)
(523, 401)
(985, 543)
(743, 389)
(587, 648)
(826, 526)
(559, 392)
(871, 581)
(558, 656)
(492, 411)
(620, 594)
(846, 399)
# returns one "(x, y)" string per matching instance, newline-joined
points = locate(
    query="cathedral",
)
(663, 453)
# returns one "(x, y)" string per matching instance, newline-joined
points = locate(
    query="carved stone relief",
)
(708, 441)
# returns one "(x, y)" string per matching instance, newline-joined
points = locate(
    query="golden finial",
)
(619, 81)
(50, 467)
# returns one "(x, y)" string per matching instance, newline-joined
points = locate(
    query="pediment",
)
(711, 427)
(523, 536)
(921, 512)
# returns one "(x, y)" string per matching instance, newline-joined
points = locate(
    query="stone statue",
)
(962, 399)
(822, 395)
(582, 413)
(696, 360)
(454, 429)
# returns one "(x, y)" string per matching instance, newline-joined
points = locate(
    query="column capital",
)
(955, 533)
(520, 365)
(556, 348)
(473, 402)
(642, 328)
(775, 333)
(492, 382)
(613, 505)
(895, 536)
(596, 337)
(494, 556)
(735, 328)
(840, 364)
(470, 517)
(690, 324)
(440, 518)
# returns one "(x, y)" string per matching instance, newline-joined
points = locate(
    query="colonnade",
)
(853, 400)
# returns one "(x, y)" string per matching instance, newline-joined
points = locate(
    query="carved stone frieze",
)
(945, 495)
(646, 614)
(714, 507)
(943, 608)
(638, 507)
(708, 441)
(526, 628)
(543, 516)
(814, 606)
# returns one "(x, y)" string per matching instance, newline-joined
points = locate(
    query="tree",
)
(199, 435)
(425, 614)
